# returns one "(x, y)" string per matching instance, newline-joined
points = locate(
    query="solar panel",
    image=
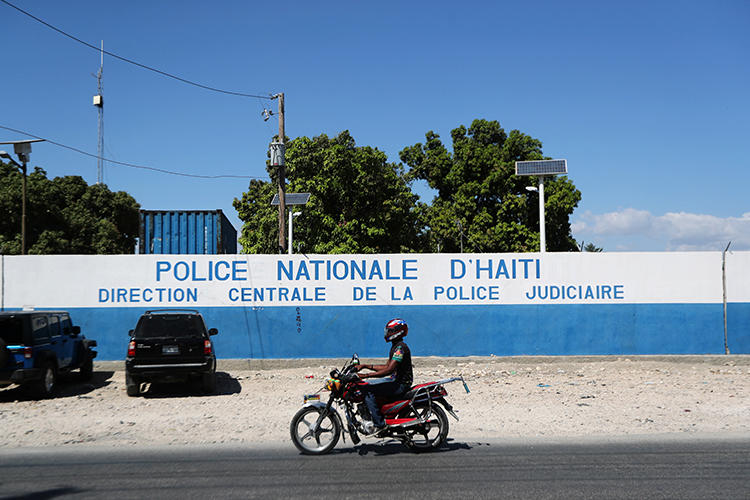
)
(292, 198)
(542, 167)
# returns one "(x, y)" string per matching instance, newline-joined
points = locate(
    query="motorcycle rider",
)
(395, 377)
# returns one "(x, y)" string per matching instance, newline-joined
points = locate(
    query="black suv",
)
(169, 345)
(36, 346)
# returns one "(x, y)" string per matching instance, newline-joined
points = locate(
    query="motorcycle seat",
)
(395, 403)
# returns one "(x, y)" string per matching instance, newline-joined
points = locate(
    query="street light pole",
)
(23, 150)
(23, 212)
(461, 234)
(541, 169)
(22, 168)
(292, 215)
(542, 235)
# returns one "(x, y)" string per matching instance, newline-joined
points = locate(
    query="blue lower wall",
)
(506, 330)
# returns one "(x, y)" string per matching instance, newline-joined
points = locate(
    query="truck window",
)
(11, 330)
(39, 329)
(66, 324)
(54, 326)
(170, 326)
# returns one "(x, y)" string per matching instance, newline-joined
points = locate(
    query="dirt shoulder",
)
(518, 397)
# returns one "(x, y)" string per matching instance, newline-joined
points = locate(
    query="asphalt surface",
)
(680, 468)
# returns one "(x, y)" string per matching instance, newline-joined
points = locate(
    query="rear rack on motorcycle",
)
(425, 387)
(424, 392)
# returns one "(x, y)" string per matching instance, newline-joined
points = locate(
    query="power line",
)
(130, 61)
(131, 165)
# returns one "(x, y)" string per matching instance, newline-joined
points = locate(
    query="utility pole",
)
(282, 175)
(99, 103)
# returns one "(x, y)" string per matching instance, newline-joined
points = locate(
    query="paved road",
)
(679, 469)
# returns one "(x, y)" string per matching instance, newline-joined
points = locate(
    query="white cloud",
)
(632, 229)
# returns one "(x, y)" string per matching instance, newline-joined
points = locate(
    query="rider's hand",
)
(358, 367)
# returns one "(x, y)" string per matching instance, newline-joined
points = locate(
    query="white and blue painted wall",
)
(280, 306)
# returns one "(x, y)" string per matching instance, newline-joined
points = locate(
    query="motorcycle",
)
(417, 418)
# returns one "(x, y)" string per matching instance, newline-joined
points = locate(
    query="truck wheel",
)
(45, 387)
(132, 385)
(209, 382)
(87, 368)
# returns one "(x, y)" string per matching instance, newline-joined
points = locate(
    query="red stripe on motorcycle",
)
(399, 421)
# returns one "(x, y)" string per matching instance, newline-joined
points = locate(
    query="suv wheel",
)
(209, 382)
(132, 385)
(87, 368)
(45, 386)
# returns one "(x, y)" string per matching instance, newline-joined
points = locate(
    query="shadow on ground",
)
(393, 447)
(68, 385)
(225, 385)
(45, 494)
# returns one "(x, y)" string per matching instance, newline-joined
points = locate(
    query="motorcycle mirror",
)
(355, 358)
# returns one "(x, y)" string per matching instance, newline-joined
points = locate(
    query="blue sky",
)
(648, 101)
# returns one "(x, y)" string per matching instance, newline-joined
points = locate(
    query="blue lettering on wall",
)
(509, 269)
(366, 293)
(146, 295)
(184, 270)
(399, 294)
(326, 270)
(278, 294)
(576, 292)
(467, 293)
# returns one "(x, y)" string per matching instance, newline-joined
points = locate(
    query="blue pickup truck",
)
(37, 346)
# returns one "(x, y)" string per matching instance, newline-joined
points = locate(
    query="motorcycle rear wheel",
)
(314, 441)
(430, 435)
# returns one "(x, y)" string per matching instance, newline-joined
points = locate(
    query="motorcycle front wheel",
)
(432, 434)
(312, 440)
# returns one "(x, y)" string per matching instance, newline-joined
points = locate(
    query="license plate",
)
(170, 349)
(312, 397)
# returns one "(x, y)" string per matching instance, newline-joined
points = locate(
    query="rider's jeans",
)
(380, 387)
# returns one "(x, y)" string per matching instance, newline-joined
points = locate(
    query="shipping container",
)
(186, 232)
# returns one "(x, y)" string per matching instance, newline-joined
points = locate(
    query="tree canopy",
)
(481, 205)
(65, 215)
(359, 202)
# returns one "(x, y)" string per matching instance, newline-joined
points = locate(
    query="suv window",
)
(66, 324)
(39, 329)
(54, 326)
(170, 325)
(11, 330)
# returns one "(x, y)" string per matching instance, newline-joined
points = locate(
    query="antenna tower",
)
(99, 103)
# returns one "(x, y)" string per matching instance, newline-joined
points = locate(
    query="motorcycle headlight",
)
(333, 384)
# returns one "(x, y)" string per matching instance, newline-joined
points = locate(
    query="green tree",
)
(359, 203)
(590, 247)
(480, 203)
(65, 215)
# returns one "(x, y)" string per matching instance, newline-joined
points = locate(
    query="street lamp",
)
(541, 169)
(23, 151)
(540, 190)
(292, 215)
(290, 200)
(461, 232)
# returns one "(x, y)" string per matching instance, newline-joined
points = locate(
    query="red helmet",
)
(395, 330)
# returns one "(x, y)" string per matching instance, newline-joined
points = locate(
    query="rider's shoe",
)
(378, 431)
(372, 430)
